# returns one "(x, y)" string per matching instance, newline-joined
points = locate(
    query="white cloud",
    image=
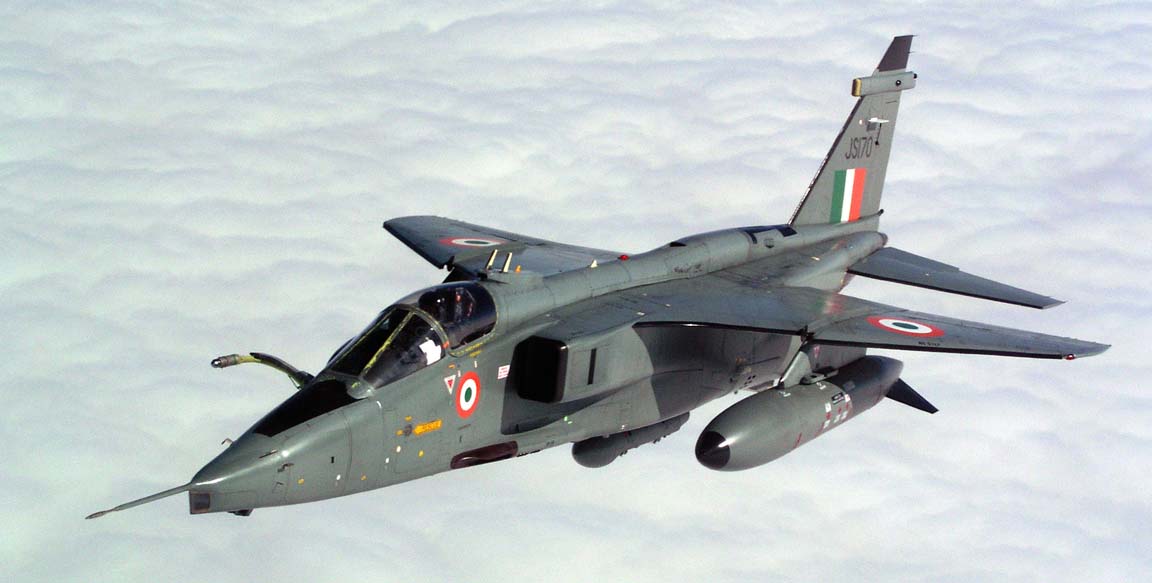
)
(185, 180)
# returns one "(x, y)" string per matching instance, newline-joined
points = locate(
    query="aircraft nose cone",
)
(711, 451)
(240, 459)
(237, 479)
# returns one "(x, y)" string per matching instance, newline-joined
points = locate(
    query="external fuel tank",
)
(767, 425)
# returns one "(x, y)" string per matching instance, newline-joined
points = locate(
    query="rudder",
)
(851, 178)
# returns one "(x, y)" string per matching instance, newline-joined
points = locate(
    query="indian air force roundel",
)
(472, 241)
(467, 394)
(905, 327)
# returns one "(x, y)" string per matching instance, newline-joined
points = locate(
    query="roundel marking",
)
(472, 241)
(467, 394)
(905, 327)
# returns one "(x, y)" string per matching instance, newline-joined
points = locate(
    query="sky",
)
(180, 180)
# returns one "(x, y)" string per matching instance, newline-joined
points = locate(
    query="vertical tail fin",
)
(851, 178)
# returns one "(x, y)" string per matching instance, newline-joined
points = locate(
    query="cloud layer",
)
(181, 180)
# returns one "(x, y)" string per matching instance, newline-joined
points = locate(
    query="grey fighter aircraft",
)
(530, 344)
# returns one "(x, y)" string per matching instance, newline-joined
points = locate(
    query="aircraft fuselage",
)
(417, 426)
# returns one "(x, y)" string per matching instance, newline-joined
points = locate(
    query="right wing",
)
(830, 318)
(467, 247)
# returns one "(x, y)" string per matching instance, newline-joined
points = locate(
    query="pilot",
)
(463, 305)
(437, 305)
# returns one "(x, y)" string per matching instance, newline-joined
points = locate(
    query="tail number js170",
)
(859, 148)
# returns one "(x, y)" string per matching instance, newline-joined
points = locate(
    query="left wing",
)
(887, 327)
(830, 318)
(467, 247)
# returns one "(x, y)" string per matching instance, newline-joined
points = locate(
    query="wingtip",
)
(96, 514)
(1090, 349)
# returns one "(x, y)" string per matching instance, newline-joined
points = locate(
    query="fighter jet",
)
(530, 344)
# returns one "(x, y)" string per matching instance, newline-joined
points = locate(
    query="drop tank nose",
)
(712, 450)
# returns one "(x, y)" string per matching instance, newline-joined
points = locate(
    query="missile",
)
(598, 452)
(769, 424)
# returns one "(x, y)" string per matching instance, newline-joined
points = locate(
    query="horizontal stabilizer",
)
(902, 393)
(891, 264)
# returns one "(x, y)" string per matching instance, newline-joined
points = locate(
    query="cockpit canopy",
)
(416, 332)
(465, 310)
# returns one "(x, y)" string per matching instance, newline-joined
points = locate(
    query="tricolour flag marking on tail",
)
(847, 194)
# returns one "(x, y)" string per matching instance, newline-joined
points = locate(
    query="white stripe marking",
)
(846, 202)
